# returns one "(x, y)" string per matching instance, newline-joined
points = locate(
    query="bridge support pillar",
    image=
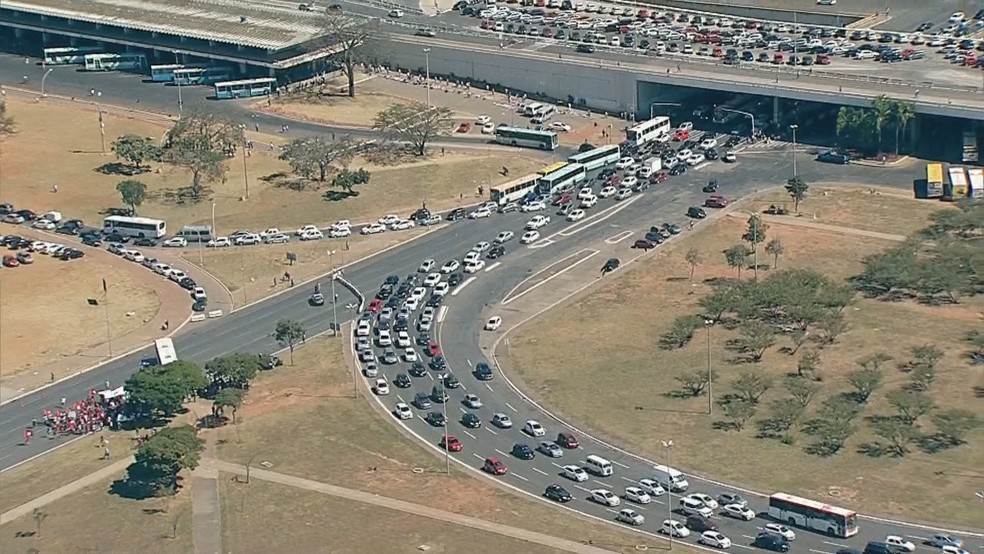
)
(775, 110)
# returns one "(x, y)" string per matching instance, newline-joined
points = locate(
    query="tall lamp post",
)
(793, 128)
(710, 379)
(43, 77)
(178, 82)
(427, 75)
(334, 307)
(746, 114)
(668, 445)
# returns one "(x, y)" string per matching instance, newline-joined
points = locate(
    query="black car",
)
(711, 154)
(711, 186)
(605, 174)
(455, 279)
(392, 281)
(696, 213)
(586, 48)
(402, 381)
(494, 252)
(438, 394)
(523, 451)
(678, 169)
(483, 372)
(70, 254)
(28, 215)
(611, 265)
(200, 305)
(384, 293)
(471, 420)
(434, 301)
(187, 283)
(436, 419)
(456, 214)
(557, 493)
(269, 361)
(451, 382)
(401, 325)
(91, 240)
(417, 369)
(145, 242)
(833, 157)
(438, 363)
(671, 228)
(655, 237)
(116, 237)
(422, 213)
(700, 524)
(423, 339)
(422, 401)
(771, 542)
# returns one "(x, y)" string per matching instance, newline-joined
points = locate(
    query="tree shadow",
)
(681, 394)
(114, 211)
(391, 154)
(117, 168)
(877, 450)
(723, 425)
(676, 279)
(339, 195)
(937, 442)
(184, 195)
(24, 534)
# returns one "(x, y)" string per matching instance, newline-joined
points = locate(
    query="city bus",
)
(515, 190)
(187, 76)
(245, 89)
(69, 55)
(164, 73)
(140, 227)
(217, 75)
(813, 515)
(657, 128)
(598, 157)
(556, 166)
(115, 62)
(165, 351)
(527, 138)
(561, 180)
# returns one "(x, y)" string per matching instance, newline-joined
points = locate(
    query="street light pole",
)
(43, 77)
(178, 82)
(427, 75)
(746, 114)
(710, 378)
(334, 304)
(668, 445)
(652, 107)
(447, 452)
(793, 127)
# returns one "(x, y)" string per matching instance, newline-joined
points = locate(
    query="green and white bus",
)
(245, 89)
(69, 55)
(115, 62)
(598, 157)
(164, 73)
(527, 138)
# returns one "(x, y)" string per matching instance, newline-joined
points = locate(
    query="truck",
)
(932, 185)
(976, 175)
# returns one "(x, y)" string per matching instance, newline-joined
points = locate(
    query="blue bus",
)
(217, 75)
(115, 62)
(69, 55)
(164, 73)
(245, 89)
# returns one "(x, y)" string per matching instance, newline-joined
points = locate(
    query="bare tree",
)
(693, 260)
(414, 123)
(353, 39)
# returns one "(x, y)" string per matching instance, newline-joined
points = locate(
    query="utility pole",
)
(178, 82)
(102, 128)
(334, 304)
(668, 445)
(793, 127)
(710, 378)
(427, 76)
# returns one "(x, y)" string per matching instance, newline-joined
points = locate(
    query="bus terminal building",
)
(245, 39)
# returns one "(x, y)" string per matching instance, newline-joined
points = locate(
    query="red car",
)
(10, 261)
(658, 177)
(681, 136)
(567, 440)
(495, 466)
(614, 180)
(375, 305)
(433, 349)
(451, 443)
(716, 201)
(464, 127)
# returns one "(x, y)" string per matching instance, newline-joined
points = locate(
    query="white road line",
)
(503, 454)
(611, 510)
(602, 483)
(464, 411)
(837, 544)
(469, 434)
(557, 465)
(620, 465)
(518, 476)
(477, 456)
(489, 387)
(491, 431)
(421, 418)
(540, 471)
(602, 216)
(579, 487)
(442, 313)
(463, 387)
(819, 551)
(460, 287)
(400, 398)
(593, 253)
(918, 538)
(618, 238)
(508, 405)
(431, 375)
(742, 546)
(627, 479)
(541, 244)
(493, 266)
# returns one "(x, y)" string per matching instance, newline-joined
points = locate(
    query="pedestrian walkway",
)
(205, 505)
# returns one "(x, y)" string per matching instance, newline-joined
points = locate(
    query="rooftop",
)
(267, 27)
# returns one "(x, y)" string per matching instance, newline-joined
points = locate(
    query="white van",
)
(543, 114)
(531, 109)
(598, 465)
(694, 507)
(671, 479)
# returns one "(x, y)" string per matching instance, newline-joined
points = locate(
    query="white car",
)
(622, 194)
(630, 516)
(652, 488)
(373, 229)
(534, 429)
(176, 275)
(418, 293)
(589, 202)
(411, 304)
(340, 232)
(696, 158)
(781, 530)
(624, 163)
(560, 126)
(576, 215)
(426, 266)
(384, 339)
(637, 495)
(176, 242)
(474, 266)
(403, 225)
(826, 2)
(219, 242)
(471, 257)
(586, 192)
(363, 329)
(43, 224)
(432, 279)
(403, 339)
(450, 267)
(488, 128)
(410, 355)
(16, 219)
(493, 323)
(198, 293)
(305, 229)
(504, 237)
(159, 268)
(537, 222)
(900, 543)
(441, 288)
(402, 411)
(574, 473)
(279, 238)
(529, 237)
(473, 401)
(480, 213)
(686, 126)
(607, 192)
(738, 511)
(708, 143)
(388, 219)
(342, 224)
(312, 235)
(605, 497)
(381, 388)
(951, 549)
(684, 155)
(502, 421)
(270, 232)
(535, 206)
(729, 157)
(248, 239)
(483, 119)
(134, 256)
(395, 14)
(674, 528)
(481, 247)
(629, 182)
(706, 499)
(714, 539)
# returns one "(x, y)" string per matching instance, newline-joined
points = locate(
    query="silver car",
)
(551, 449)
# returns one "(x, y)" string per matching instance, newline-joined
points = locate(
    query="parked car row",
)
(26, 248)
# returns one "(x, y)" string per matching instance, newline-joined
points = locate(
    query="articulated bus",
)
(69, 55)
(813, 515)
(115, 62)
(561, 180)
(245, 89)
(657, 129)
(164, 73)
(514, 190)
(598, 157)
(528, 138)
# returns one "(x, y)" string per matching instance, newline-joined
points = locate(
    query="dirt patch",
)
(360, 111)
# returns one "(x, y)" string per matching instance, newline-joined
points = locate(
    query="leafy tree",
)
(898, 433)
(317, 157)
(832, 325)
(755, 235)
(289, 332)
(414, 123)
(347, 179)
(903, 112)
(756, 338)
(797, 189)
(838, 408)
(889, 272)
(201, 142)
(133, 194)
(738, 412)
(802, 390)
(736, 257)
(7, 126)
(775, 249)
(865, 380)
(923, 366)
(233, 370)
(856, 126)
(883, 108)
(228, 398)
(160, 458)
(135, 150)
(681, 332)
(953, 425)
(831, 436)
(355, 41)
(785, 414)
(809, 363)
(910, 404)
(694, 382)
(749, 387)
(719, 302)
(693, 260)
(162, 389)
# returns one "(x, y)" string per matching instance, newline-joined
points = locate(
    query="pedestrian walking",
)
(63, 402)
(257, 127)
(105, 452)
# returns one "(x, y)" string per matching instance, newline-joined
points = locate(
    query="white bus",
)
(515, 190)
(69, 55)
(115, 62)
(597, 157)
(529, 138)
(656, 129)
(165, 351)
(543, 114)
(813, 515)
(140, 227)
(531, 108)
(561, 180)
(164, 73)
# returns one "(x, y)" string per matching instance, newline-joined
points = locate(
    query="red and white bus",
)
(813, 515)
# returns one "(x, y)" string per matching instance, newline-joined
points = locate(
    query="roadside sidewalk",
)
(205, 504)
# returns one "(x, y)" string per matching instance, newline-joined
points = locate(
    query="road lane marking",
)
(467, 361)
(924, 539)
(541, 244)
(477, 456)
(508, 405)
(461, 287)
(442, 313)
(431, 375)
(602, 216)
(464, 411)
(620, 465)
(491, 431)
(493, 266)
(421, 418)
(592, 254)
(602, 483)
(489, 387)
(749, 536)
(557, 465)
(611, 510)
(817, 551)
(618, 238)
(700, 166)
(469, 434)
(400, 398)
(518, 476)
(540, 471)
(743, 546)
(627, 479)
(579, 487)
(838, 545)
(503, 454)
